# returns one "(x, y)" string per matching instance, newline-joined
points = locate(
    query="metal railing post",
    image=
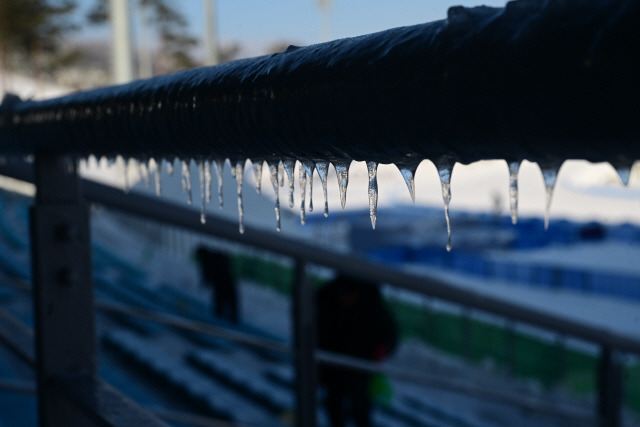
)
(609, 388)
(304, 321)
(63, 290)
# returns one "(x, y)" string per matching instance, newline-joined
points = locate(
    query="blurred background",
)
(584, 266)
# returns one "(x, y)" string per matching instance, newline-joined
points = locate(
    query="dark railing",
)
(544, 81)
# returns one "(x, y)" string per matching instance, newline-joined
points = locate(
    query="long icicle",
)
(342, 172)
(303, 189)
(143, 171)
(273, 174)
(239, 175)
(257, 171)
(219, 175)
(445, 181)
(550, 176)
(514, 167)
(309, 167)
(203, 194)
(207, 180)
(281, 174)
(372, 169)
(186, 180)
(289, 166)
(157, 175)
(323, 168)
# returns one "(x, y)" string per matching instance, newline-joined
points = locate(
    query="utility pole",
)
(211, 56)
(122, 57)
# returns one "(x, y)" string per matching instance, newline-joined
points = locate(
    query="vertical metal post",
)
(62, 288)
(304, 321)
(121, 32)
(211, 56)
(609, 389)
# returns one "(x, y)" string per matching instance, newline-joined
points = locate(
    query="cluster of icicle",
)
(278, 170)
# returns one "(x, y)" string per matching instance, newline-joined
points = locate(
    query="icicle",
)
(257, 170)
(289, 166)
(409, 173)
(303, 189)
(203, 195)
(624, 174)
(126, 186)
(207, 181)
(273, 173)
(445, 180)
(309, 167)
(132, 165)
(170, 168)
(372, 168)
(239, 172)
(550, 176)
(186, 181)
(219, 170)
(323, 168)
(281, 174)
(143, 170)
(342, 172)
(513, 191)
(155, 168)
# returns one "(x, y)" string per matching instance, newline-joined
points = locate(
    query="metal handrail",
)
(543, 81)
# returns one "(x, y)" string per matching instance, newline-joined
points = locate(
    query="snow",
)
(606, 256)
(27, 88)
(613, 314)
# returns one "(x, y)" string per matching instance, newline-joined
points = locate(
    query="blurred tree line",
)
(35, 35)
(31, 32)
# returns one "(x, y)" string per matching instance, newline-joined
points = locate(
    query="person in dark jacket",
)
(352, 320)
(215, 268)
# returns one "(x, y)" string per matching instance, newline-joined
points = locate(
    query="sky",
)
(263, 22)
(300, 20)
